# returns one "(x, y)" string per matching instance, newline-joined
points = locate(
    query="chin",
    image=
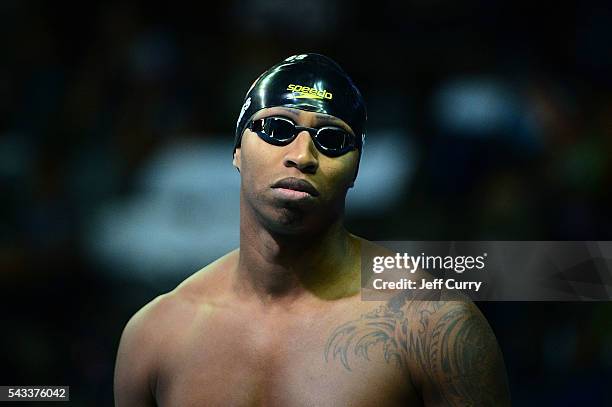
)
(289, 221)
(292, 221)
(295, 218)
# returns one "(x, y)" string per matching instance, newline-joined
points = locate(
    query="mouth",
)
(295, 188)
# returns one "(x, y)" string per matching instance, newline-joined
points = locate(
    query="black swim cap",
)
(310, 82)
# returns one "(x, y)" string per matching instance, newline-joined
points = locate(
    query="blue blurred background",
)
(487, 121)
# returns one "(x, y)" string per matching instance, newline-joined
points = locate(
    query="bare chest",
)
(304, 361)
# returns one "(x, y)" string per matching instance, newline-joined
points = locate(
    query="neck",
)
(284, 267)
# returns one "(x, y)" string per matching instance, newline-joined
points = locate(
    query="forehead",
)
(301, 116)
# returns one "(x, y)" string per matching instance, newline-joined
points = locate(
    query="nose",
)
(302, 154)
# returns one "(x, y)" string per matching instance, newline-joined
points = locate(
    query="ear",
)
(236, 162)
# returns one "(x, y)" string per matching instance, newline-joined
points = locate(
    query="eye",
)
(332, 138)
(257, 125)
(279, 128)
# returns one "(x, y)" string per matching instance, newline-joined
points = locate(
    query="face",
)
(294, 188)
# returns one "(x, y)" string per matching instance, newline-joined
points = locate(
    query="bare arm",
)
(455, 356)
(136, 365)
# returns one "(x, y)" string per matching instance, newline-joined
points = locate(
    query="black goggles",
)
(279, 131)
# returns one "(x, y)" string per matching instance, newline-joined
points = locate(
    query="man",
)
(280, 321)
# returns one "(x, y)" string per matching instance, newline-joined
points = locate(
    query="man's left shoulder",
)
(445, 346)
(452, 353)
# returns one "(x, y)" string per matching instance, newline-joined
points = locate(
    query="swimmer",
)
(280, 320)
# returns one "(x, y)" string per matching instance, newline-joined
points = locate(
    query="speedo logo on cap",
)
(305, 92)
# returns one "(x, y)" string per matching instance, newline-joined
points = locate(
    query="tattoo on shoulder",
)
(452, 346)
(355, 338)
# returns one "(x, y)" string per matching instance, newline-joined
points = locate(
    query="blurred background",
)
(487, 121)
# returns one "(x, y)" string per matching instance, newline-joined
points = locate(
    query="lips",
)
(296, 184)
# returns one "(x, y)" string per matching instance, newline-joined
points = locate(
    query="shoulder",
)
(137, 362)
(446, 348)
(452, 354)
(146, 327)
(165, 312)
(152, 331)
